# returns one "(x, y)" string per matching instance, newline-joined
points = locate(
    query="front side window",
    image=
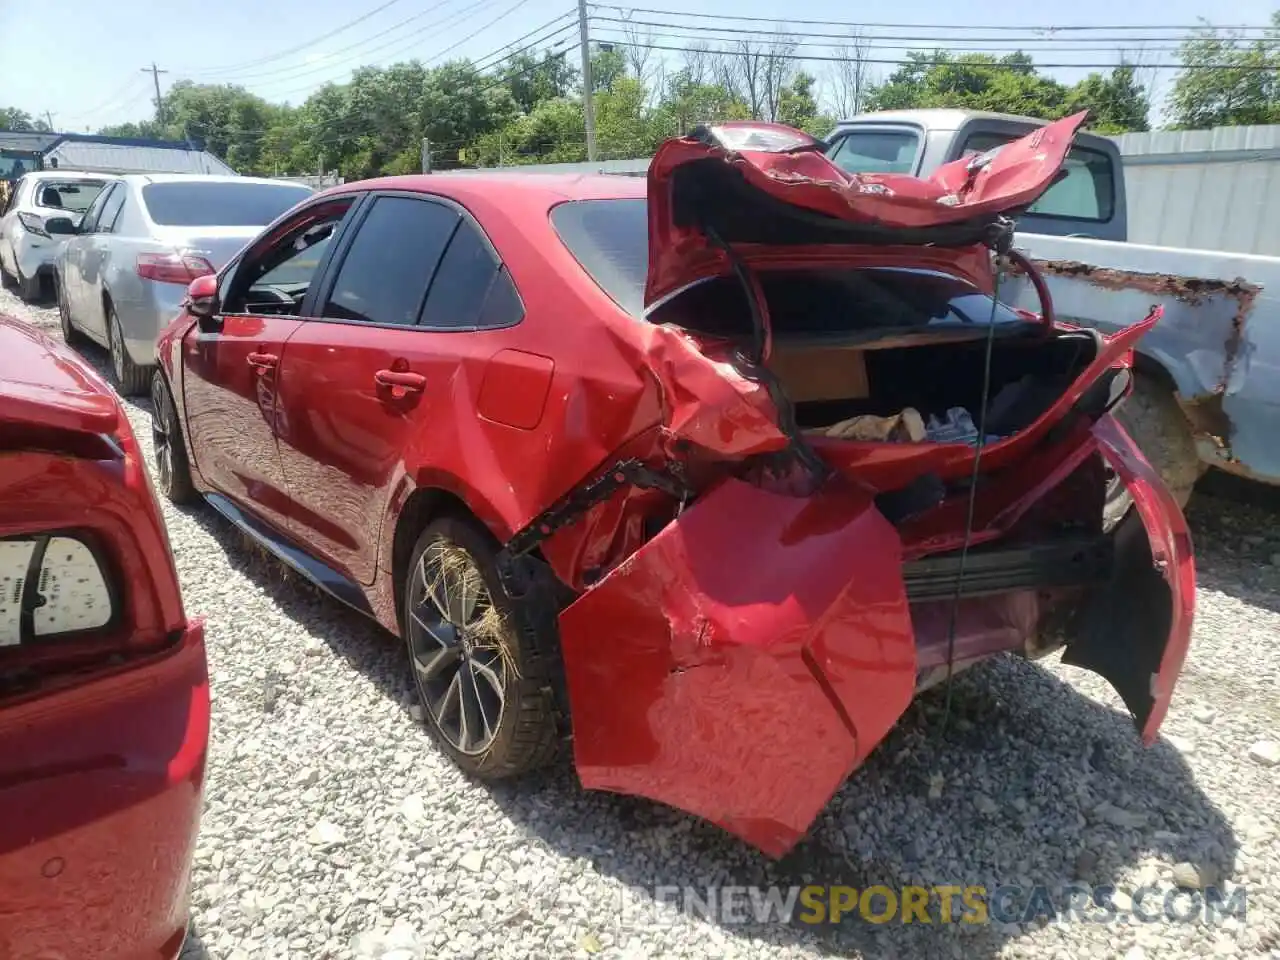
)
(89, 222)
(876, 151)
(1086, 192)
(111, 210)
(385, 272)
(277, 279)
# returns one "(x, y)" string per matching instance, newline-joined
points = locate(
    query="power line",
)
(871, 43)
(293, 71)
(875, 39)
(549, 23)
(945, 63)
(453, 46)
(281, 54)
(129, 87)
(787, 21)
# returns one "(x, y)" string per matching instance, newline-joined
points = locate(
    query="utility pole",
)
(155, 76)
(49, 116)
(426, 155)
(588, 108)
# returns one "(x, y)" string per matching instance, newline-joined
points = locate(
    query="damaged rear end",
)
(814, 531)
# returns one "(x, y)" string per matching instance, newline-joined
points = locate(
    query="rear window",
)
(219, 204)
(1086, 192)
(610, 239)
(876, 151)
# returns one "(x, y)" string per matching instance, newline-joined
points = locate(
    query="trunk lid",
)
(761, 187)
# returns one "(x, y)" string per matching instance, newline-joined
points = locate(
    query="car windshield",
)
(609, 238)
(219, 203)
(75, 196)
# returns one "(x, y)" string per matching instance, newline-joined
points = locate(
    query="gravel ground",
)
(333, 828)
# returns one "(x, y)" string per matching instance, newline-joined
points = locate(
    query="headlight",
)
(51, 586)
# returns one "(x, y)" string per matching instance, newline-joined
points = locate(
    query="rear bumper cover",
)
(759, 647)
(100, 795)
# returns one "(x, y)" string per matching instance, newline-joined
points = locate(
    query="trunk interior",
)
(875, 343)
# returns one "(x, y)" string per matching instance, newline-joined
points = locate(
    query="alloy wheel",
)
(457, 641)
(161, 433)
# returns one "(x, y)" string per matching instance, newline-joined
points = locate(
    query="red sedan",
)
(709, 474)
(104, 695)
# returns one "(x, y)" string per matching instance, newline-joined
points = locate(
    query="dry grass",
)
(451, 570)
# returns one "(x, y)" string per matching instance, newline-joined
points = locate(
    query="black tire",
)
(132, 379)
(70, 334)
(7, 279)
(1152, 417)
(526, 735)
(28, 287)
(173, 469)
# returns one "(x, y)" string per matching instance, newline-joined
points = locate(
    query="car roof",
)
(67, 175)
(145, 178)
(492, 187)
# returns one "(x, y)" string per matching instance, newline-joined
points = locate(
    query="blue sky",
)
(85, 64)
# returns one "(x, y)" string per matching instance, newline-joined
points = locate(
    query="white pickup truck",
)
(1207, 390)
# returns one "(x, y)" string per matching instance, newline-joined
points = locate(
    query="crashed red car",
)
(682, 470)
(104, 698)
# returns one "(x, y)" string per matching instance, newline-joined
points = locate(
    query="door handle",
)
(264, 360)
(400, 381)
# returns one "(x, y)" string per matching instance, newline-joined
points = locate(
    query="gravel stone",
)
(523, 870)
(1265, 752)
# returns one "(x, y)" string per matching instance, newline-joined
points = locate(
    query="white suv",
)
(33, 227)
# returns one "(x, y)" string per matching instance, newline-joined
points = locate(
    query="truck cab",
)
(1088, 201)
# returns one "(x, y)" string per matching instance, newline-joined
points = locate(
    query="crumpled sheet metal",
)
(756, 651)
(1016, 176)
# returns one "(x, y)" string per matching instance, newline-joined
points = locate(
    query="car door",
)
(382, 367)
(69, 257)
(91, 253)
(230, 364)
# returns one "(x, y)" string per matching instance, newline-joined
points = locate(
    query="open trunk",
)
(776, 610)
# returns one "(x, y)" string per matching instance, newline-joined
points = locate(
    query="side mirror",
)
(59, 225)
(202, 297)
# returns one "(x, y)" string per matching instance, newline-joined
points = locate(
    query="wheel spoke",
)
(433, 586)
(430, 666)
(486, 673)
(475, 728)
(471, 669)
(441, 634)
(450, 700)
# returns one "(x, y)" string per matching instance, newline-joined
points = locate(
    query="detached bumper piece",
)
(745, 660)
(1079, 562)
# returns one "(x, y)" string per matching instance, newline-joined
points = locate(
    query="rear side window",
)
(385, 272)
(876, 151)
(461, 290)
(1085, 193)
(179, 203)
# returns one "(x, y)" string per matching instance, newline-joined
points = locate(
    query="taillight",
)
(34, 223)
(51, 585)
(172, 267)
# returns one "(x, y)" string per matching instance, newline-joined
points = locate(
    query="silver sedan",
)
(122, 276)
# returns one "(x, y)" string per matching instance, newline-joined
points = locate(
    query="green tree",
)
(1116, 103)
(1012, 84)
(1227, 80)
(11, 118)
(531, 80)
